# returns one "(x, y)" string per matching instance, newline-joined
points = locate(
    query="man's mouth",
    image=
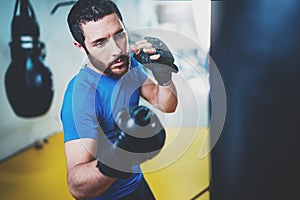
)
(118, 67)
(119, 62)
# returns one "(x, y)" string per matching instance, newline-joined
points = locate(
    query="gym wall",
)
(63, 59)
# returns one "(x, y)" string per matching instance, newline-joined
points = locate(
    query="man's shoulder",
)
(81, 90)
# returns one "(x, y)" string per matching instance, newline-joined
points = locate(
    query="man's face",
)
(106, 43)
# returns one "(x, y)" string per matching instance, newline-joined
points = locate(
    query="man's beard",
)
(107, 69)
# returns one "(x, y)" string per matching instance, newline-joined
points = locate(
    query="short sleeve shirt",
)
(90, 105)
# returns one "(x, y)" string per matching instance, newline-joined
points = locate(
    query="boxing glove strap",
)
(111, 172)
(166, 84)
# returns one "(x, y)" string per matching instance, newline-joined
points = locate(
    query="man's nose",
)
(115, 49)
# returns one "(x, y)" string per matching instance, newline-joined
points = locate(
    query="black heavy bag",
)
(28, 81)
(257, 53)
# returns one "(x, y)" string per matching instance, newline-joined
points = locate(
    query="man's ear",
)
(79, 47)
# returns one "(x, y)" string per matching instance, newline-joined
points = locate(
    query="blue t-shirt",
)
(90, 105)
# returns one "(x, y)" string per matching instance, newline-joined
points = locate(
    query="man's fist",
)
(156, 56)
(139, 137)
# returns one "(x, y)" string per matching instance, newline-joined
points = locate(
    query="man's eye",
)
(101, 43)
(119, 36)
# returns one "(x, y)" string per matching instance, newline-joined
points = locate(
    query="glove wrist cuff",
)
(113, 173)
(165, 83)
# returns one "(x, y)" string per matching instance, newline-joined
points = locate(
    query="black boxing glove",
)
(140, 136)
(163, 67)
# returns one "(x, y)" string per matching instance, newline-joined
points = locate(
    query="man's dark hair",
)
(85, 11)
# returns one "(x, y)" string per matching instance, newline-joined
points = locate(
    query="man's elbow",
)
(74, 190)
(78, 191)
(171, 107)
(170, 110)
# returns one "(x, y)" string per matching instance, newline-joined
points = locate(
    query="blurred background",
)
(256, 49)
(185, 26)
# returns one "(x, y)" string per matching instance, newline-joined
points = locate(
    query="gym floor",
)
(40, 173)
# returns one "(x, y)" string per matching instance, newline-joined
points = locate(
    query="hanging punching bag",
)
(257, 53)
(28, 81)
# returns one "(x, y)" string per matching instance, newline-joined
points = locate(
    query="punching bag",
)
(28, 81)
(257, 53)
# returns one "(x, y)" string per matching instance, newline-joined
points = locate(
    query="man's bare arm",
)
(156, 56)
(85, 181)
(162, 97)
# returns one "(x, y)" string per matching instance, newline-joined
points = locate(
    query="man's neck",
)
(92, 67)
